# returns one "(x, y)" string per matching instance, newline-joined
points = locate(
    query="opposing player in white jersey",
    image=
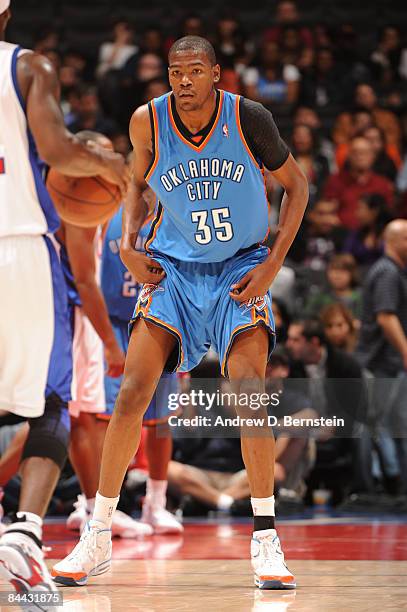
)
(35, 344)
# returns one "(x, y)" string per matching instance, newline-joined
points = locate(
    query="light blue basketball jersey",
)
(212, 198)
(118, 285)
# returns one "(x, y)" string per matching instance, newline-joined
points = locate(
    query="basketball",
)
(85, 202)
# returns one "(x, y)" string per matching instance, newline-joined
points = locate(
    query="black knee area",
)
(49, 433)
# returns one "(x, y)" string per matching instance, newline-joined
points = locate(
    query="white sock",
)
(263, 506)
(90, 504)
(104, 509)
(225, 501)
(33, 523)
(156, 492)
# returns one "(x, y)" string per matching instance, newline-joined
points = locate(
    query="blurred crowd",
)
(340, 302)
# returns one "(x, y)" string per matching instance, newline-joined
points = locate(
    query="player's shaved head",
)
(193, 44)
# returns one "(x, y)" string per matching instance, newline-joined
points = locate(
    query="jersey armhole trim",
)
(14, 59)
(243, 139)
(154, 137)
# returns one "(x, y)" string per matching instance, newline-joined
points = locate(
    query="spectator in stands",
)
(314, 165)
(383, 338)
(319, 238)
(281, 319)
(387, 158)
(401, 183)
(342, 286)
(287, 14)
(388, 52)
(340, 328)
(114, 55)
(152, 41)
(270, 81)
(154, 89)
(366, 243)
(90, 116)
(365, 97)
(230, 50)
(305, 115)
(358, 179)
(211, 470)
(291, 45)
(45, 39)
(322, 86)
(121, 143)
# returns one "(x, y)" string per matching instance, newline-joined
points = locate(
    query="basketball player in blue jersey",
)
(35, 359)
(206, 276)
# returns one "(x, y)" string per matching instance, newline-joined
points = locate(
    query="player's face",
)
(192, 79)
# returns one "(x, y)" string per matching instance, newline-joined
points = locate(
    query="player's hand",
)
(115, 169)
(255, 283)
(115, 359)
(144, 269)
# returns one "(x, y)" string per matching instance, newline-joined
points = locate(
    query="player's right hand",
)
(144, 269)
(115, 359)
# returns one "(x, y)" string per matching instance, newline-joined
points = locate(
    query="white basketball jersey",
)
(25, 205)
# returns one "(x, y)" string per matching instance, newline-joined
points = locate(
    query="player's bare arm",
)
(56, 145)
(258, 281)
(80, 247)
(143, 268)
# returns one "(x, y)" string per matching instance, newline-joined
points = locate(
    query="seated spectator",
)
(114, 55)
(90, 116)
(388, 51)
(287, 14)
(348, 185)
(319, 238)
(387, 156)
(281, 319)
(211, 470)
(314, 165)
(361, 121)
(230, 50)
(291, 45)
(342, 286)
(340, 328)
(401, 183)
(321, 86)
(270, 81)
(366, 243)
(154, 89)
(365, 97)
(305, 115)
(316, 359)
(192, 25)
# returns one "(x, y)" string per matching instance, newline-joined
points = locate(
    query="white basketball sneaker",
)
(270, 570)
(79, 516)
(123, 526)
(160, 519)
(22, 563)
(90, 557)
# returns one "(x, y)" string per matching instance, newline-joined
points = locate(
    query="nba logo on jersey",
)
(225, 130)
(2, 166)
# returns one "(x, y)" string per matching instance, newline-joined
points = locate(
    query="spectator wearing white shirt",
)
(114, 55)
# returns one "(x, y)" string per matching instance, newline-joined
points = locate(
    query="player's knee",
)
(49, 434)
(134, 397)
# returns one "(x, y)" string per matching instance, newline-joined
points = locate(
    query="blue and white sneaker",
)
(90, 557)
(270, 570)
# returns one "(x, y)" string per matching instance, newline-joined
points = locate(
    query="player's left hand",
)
(255, 283)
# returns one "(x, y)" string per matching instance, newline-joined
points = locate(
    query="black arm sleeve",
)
(262, 135)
